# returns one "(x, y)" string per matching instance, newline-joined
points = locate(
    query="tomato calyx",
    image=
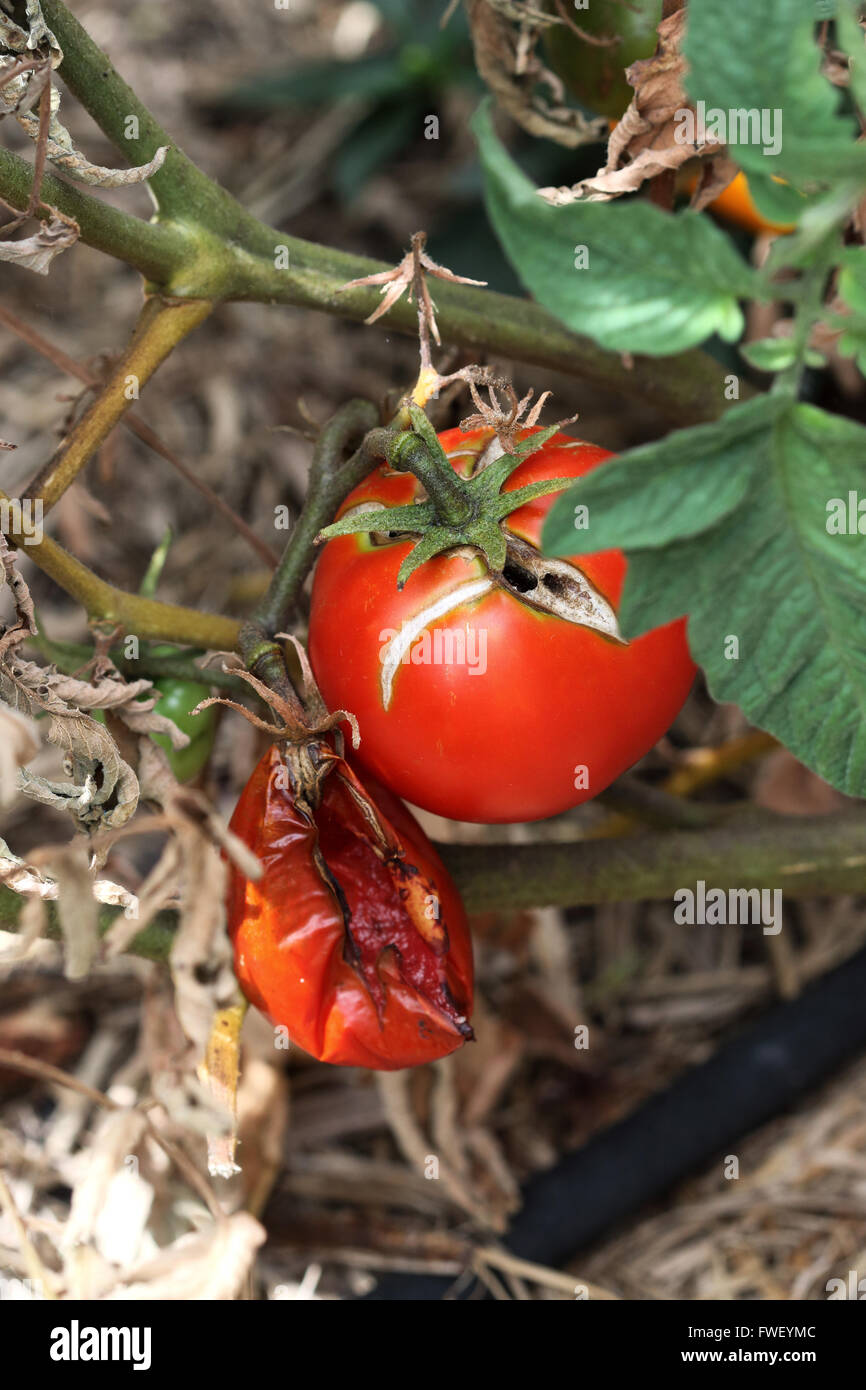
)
(458, 511)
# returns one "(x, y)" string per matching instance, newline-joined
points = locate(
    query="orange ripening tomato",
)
(354, 938)
(735, 204)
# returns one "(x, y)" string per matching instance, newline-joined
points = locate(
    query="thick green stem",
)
(146, 617)
(799, 855)
(803, 857)
(179, 187)
(330, 482)
(159, 253)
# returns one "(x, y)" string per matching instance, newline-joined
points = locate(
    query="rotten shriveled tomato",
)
(490, 697)
(354, 937)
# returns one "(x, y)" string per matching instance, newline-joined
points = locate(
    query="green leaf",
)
(852, 290)
(775, 597)
(770, 354)
(764, 58)
(776, 200)
(661, 492)
(655, 282)
(850, 38)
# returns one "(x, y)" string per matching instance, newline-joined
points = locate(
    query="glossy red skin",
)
(502, 746)
(291, 945)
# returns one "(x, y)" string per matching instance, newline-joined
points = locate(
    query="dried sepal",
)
(286, 726)
(410, 275)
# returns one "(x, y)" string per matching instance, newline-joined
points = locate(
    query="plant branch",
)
(181, 190)
(802, 857)
(161, 325)
(146, 617)
(71, 657)
(330, 482)
(28, 334)
(213, 248)
(687, 388)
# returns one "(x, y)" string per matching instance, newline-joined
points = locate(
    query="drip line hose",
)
(693, 1121)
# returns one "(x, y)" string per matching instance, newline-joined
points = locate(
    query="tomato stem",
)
(331, 480)
(451, 498)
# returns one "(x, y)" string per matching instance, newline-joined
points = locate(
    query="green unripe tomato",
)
(176, 701)
(596, 74)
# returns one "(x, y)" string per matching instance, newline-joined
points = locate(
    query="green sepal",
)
(433, 542)
(415, 517)
(489, 537)
(491, 478)
(423, 428)
(477, 504)
(482, 534)
(508, 502)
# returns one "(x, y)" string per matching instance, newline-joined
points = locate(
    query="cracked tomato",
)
(484, 697)
(354, 938)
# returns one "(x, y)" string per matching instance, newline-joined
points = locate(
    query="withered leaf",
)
(644, 144)
(19, 742)
(210, 1265)
(36, 252)
(77, 909)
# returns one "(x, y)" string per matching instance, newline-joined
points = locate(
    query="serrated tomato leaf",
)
(763, 59)
(774, 587)
(662, 492)
(852, 291)
(633, 277)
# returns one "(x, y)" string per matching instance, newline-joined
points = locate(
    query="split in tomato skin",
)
(507, 738)
(367, 965)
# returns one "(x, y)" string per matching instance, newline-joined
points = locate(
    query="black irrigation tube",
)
(756, 1076)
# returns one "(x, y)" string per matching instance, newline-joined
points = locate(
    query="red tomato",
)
(367, 962)
(497, 712)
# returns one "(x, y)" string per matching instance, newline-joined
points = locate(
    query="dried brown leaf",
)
(77, 909)
(643, 144)
(117, 1134)
(508, 64)
(37, 251)
(25, 624)
(19, 742)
